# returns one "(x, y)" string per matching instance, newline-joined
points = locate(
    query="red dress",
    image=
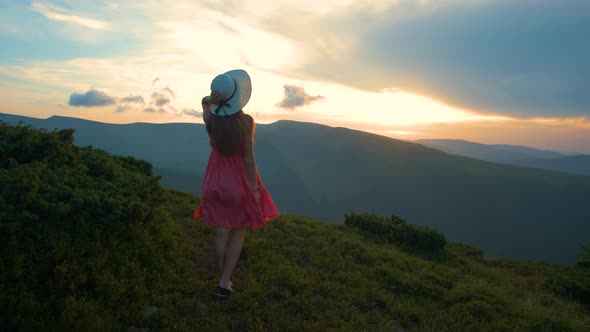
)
(227, 195)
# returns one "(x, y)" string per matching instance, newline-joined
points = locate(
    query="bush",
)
(79, 231)
(573, 282)
(467, 250)
(416, 239)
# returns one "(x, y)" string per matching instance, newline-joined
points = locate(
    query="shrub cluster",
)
(420, 240)
(79, 229)
(573, 281)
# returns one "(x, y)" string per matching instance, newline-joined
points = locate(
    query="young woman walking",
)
(233, 196)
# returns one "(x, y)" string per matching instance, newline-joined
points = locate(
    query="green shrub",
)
(467, 250)
(78, 231)
(573, 282)
(416, 239)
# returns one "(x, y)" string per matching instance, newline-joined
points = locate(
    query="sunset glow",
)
(53, 49)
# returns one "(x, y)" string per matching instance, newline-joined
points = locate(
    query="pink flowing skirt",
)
(227, 195)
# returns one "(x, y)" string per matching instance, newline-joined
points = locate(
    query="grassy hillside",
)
(88, 241)
(322, 172)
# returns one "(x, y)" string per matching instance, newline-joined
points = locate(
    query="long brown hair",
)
(229, 132)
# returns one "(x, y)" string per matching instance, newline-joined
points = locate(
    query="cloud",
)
(524, 58)
(159, 99)
(159, 103)
(132, 100)
(172, 94)
(92, 98)
(122, 108)
(163, 97)
(58, 14)
(295, 96)
(154, 110)
(192, 112)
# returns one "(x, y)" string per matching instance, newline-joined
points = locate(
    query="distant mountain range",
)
(513, 155)
(325, 172)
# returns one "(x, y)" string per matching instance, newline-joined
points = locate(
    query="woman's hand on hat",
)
(216, 97)
(206, 104)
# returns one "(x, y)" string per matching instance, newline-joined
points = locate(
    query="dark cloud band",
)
(92, 98)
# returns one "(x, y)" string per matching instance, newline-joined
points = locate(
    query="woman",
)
(232, 195)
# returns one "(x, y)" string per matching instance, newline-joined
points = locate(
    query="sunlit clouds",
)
(295, 96)
(59, 14)
(405, 69)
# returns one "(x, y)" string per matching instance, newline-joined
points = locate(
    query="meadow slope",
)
(88, 241)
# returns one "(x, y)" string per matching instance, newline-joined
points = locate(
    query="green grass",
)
(300, 274)
(88, 241)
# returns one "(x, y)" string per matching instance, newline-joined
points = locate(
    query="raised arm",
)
(207, 103)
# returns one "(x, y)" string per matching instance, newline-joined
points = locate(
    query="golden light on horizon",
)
(185, 51)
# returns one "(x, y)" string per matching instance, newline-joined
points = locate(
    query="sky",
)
(489, 71)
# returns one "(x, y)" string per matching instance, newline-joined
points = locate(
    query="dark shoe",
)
(222, 293)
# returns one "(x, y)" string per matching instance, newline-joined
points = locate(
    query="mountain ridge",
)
(514, 155)
(509, 148)
(325, 172)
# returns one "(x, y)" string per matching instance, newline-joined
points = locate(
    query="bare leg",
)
(221, 236)
(232, 253)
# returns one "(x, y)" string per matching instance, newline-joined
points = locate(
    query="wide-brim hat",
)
(235, 87)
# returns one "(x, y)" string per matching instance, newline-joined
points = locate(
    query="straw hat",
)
(235, 86)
